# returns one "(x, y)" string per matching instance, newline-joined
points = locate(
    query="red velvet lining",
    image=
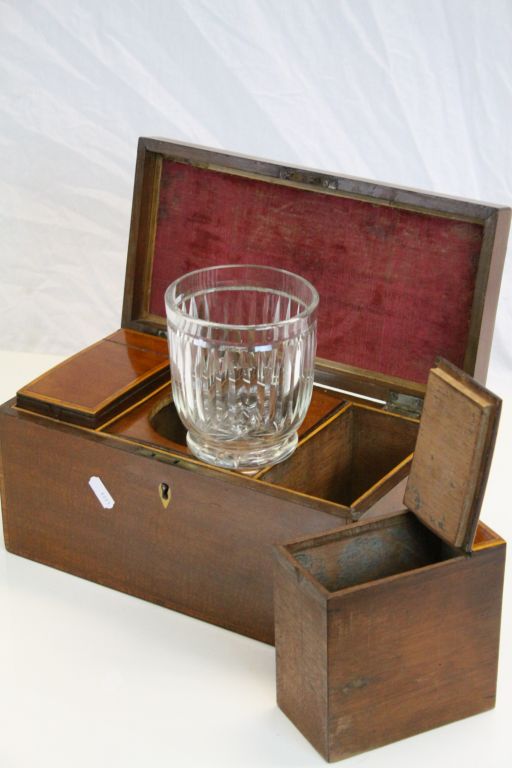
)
(396, 287)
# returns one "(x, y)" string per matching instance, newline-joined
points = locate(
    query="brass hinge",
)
(405, 405)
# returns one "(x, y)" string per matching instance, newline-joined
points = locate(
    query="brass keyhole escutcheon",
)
(164, 491)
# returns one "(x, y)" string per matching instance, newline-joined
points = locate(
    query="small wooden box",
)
(388, 628)
(199, 539)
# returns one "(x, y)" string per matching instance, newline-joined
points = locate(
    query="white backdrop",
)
(412, 92)
(405, 91)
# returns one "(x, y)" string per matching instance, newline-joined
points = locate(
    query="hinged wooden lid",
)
(403, 276)
(453, 454)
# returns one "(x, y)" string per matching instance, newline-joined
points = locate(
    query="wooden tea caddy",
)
(402, 275)
(391, 627)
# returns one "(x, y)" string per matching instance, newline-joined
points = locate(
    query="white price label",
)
(101, 493)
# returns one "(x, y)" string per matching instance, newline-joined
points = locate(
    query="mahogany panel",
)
(382, 441)
(453, 454)
(90, 386)
(134, 339)
(322, 466)
(384, 680)
(358, 448)
(154, 421)
(208, 554)
(301, 659)
(434, 662)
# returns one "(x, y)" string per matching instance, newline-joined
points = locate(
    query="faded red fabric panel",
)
(396, 287)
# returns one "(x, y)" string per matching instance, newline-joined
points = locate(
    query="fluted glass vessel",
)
(242, 342)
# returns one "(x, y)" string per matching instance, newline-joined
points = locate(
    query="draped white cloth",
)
(404, 91)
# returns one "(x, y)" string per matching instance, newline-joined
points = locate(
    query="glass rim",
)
(305, 312)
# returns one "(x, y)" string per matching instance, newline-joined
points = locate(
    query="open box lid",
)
(453, 454)
(403, 276)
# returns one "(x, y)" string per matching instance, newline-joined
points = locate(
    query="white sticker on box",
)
(101, 493)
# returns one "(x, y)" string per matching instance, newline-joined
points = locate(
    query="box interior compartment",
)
(156, 420)
(164, 419)
(352, 452)
(361, 554)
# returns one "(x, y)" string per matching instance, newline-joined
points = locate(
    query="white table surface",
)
(93, 677)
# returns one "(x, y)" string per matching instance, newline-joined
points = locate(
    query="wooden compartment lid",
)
(453, 454)
(403, 276)
(98, 382)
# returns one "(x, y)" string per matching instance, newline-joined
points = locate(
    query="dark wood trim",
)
(141, 238)
(377, 192)
(143, 325)
(494, 249)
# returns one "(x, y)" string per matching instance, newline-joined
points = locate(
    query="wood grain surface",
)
(208, 554)
(453, 454)
(91, 386)
(156, 422)
(301, 658)
(358, 451)
(359, 555)
(403, 648)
